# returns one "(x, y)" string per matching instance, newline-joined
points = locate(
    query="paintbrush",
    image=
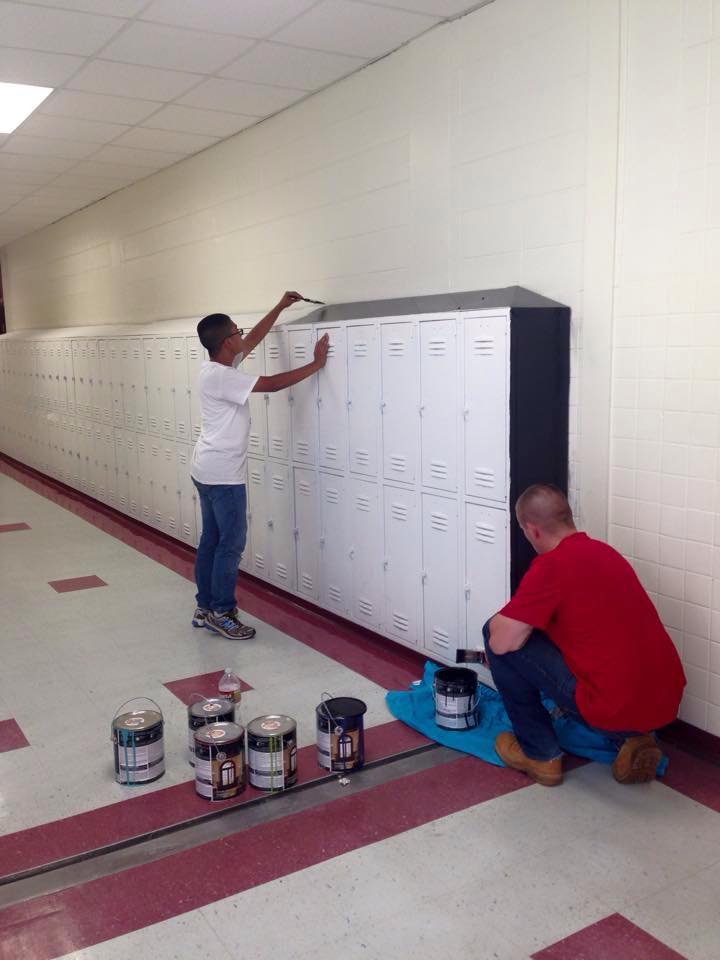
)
(308, 300)
(470, 656)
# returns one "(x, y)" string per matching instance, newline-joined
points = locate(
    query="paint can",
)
(138, 744)
(220, 760)
(204, 711)
(272, 752)
(340, 733)
(455, 691)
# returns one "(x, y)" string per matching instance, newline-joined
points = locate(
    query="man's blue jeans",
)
(224, 531)
(522, 677)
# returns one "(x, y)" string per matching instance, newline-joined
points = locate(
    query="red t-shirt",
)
(586, 597)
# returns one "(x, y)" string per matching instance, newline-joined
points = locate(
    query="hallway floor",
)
(425, 859)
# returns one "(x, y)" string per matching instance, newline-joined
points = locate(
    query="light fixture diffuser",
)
(17, 102)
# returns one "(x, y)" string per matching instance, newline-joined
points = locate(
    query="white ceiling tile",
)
(115, 8)
(235, 96)
(154, 159)
(37, 68)
(48, 147)
(358, 29)
(175, 48)
(128, 80)
(169, 140)
(285, 66)
(96, 106)
(22, 176)
(436, 8)
(70, 128)
(118, 171)
(211, 123)
(59, 31)
(73, 180)
(249, 18)
(28, 165)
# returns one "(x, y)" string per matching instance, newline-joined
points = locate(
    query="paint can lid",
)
(219, 733)
(273, 725)
(137, 720)
(342, 707)
(213, 707)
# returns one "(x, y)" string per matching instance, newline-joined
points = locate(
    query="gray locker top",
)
(501, 299)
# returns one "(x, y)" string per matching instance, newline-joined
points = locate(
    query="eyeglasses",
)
(234, 333)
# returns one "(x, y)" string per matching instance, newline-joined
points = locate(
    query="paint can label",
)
(341, 752)
(273, 769)
(220, 778)
(139, 764)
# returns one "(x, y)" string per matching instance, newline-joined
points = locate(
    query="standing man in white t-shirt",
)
(219, 457)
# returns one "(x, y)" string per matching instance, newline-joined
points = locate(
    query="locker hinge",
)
(296, 532)
(383, 404)
(386, 563)
(351, 553)
(466, 413)
(423, 577)
(421, 408)
(467, 590)
(322, 542)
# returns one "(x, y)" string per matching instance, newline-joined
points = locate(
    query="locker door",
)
(363, 398)
(307, 524)
(281, 525)
(158, 373)
(122, 472)
(108, 440)
(93, 374)
(104, 385)
(144, 491)
(134, 388)
(164, 481)
(196, 357)
(187, 528)
(440, 574)
(101, 477)
(181, 388)
(486, 567)
(334, 553)
(258, 508)
(366, 551)
(133, 472)
(79, 354)
(403, 565)
(486, 407)
(68, 377)
(254, 363)
(400, 403)
(303, 400)
(152, 380)
(278, 404)
(332, 401)
(439, 403)
(116, 376)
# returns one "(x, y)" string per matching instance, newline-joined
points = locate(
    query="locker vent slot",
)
(307, 582)
(277, 445)
(187, 532)
(302, 448)
(331, 452)
(441, 637)
(485, 532)
(484, 478)
(167, 425)
(273, 351)
(437, 347)
(331, 350)
(304, 488)
(396, 348)
(362, 458)
(162, 353)
(140, 421)
(259, 561)
(362, 503)
(400, 622)
(278, 482)
(332, 495)
(255, 477)
(300, 351)
(438, 470)
(440, 521)
(195, 432)
(281, 571)
(335, 593)
(129, 419)
(145, 512)
(483, 346)
(253, 440)
(361, 348)
(177, 353)
(172, 523)
(154, 425)
(365, 606)
(158, 517)
(194, 353)
(398, 464)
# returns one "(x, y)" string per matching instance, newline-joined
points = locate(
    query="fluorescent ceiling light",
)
(17, 102)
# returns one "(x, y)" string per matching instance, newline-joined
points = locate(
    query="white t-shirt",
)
(221, 452)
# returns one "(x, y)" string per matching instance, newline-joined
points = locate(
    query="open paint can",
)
(220, 760)
(138, 744)
(272, 752)
(455, 691)
(204, 711)
(340, 734)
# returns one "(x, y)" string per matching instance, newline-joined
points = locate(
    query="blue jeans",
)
(522, 677)
(224, 531)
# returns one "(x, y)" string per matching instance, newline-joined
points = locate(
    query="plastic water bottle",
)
(229, 688)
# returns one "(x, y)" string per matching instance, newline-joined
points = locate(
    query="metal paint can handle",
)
(134, 700)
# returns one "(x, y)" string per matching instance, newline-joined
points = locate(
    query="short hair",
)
(213, 330)
(545, 505)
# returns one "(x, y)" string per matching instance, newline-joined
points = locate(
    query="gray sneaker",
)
(228, 625)
(200, 616)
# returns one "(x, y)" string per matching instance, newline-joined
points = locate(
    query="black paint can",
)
(341, 734)
(456, 702)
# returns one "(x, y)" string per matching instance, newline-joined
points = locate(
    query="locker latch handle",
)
(421, 408)
(467, 590)
(466, 413)
(351, 553)
(270, 524)
(423, 577)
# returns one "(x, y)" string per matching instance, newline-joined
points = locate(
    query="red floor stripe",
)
(76, 583)
(205, 684)
(613, 938)
(11, 736)
(10, 527)
(693, 777)
(26, 849)
(82, 916)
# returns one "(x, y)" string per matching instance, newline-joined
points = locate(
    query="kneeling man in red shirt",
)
(581, 630)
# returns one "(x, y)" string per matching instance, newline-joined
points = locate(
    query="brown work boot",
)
(546, 772)
(637, 760)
